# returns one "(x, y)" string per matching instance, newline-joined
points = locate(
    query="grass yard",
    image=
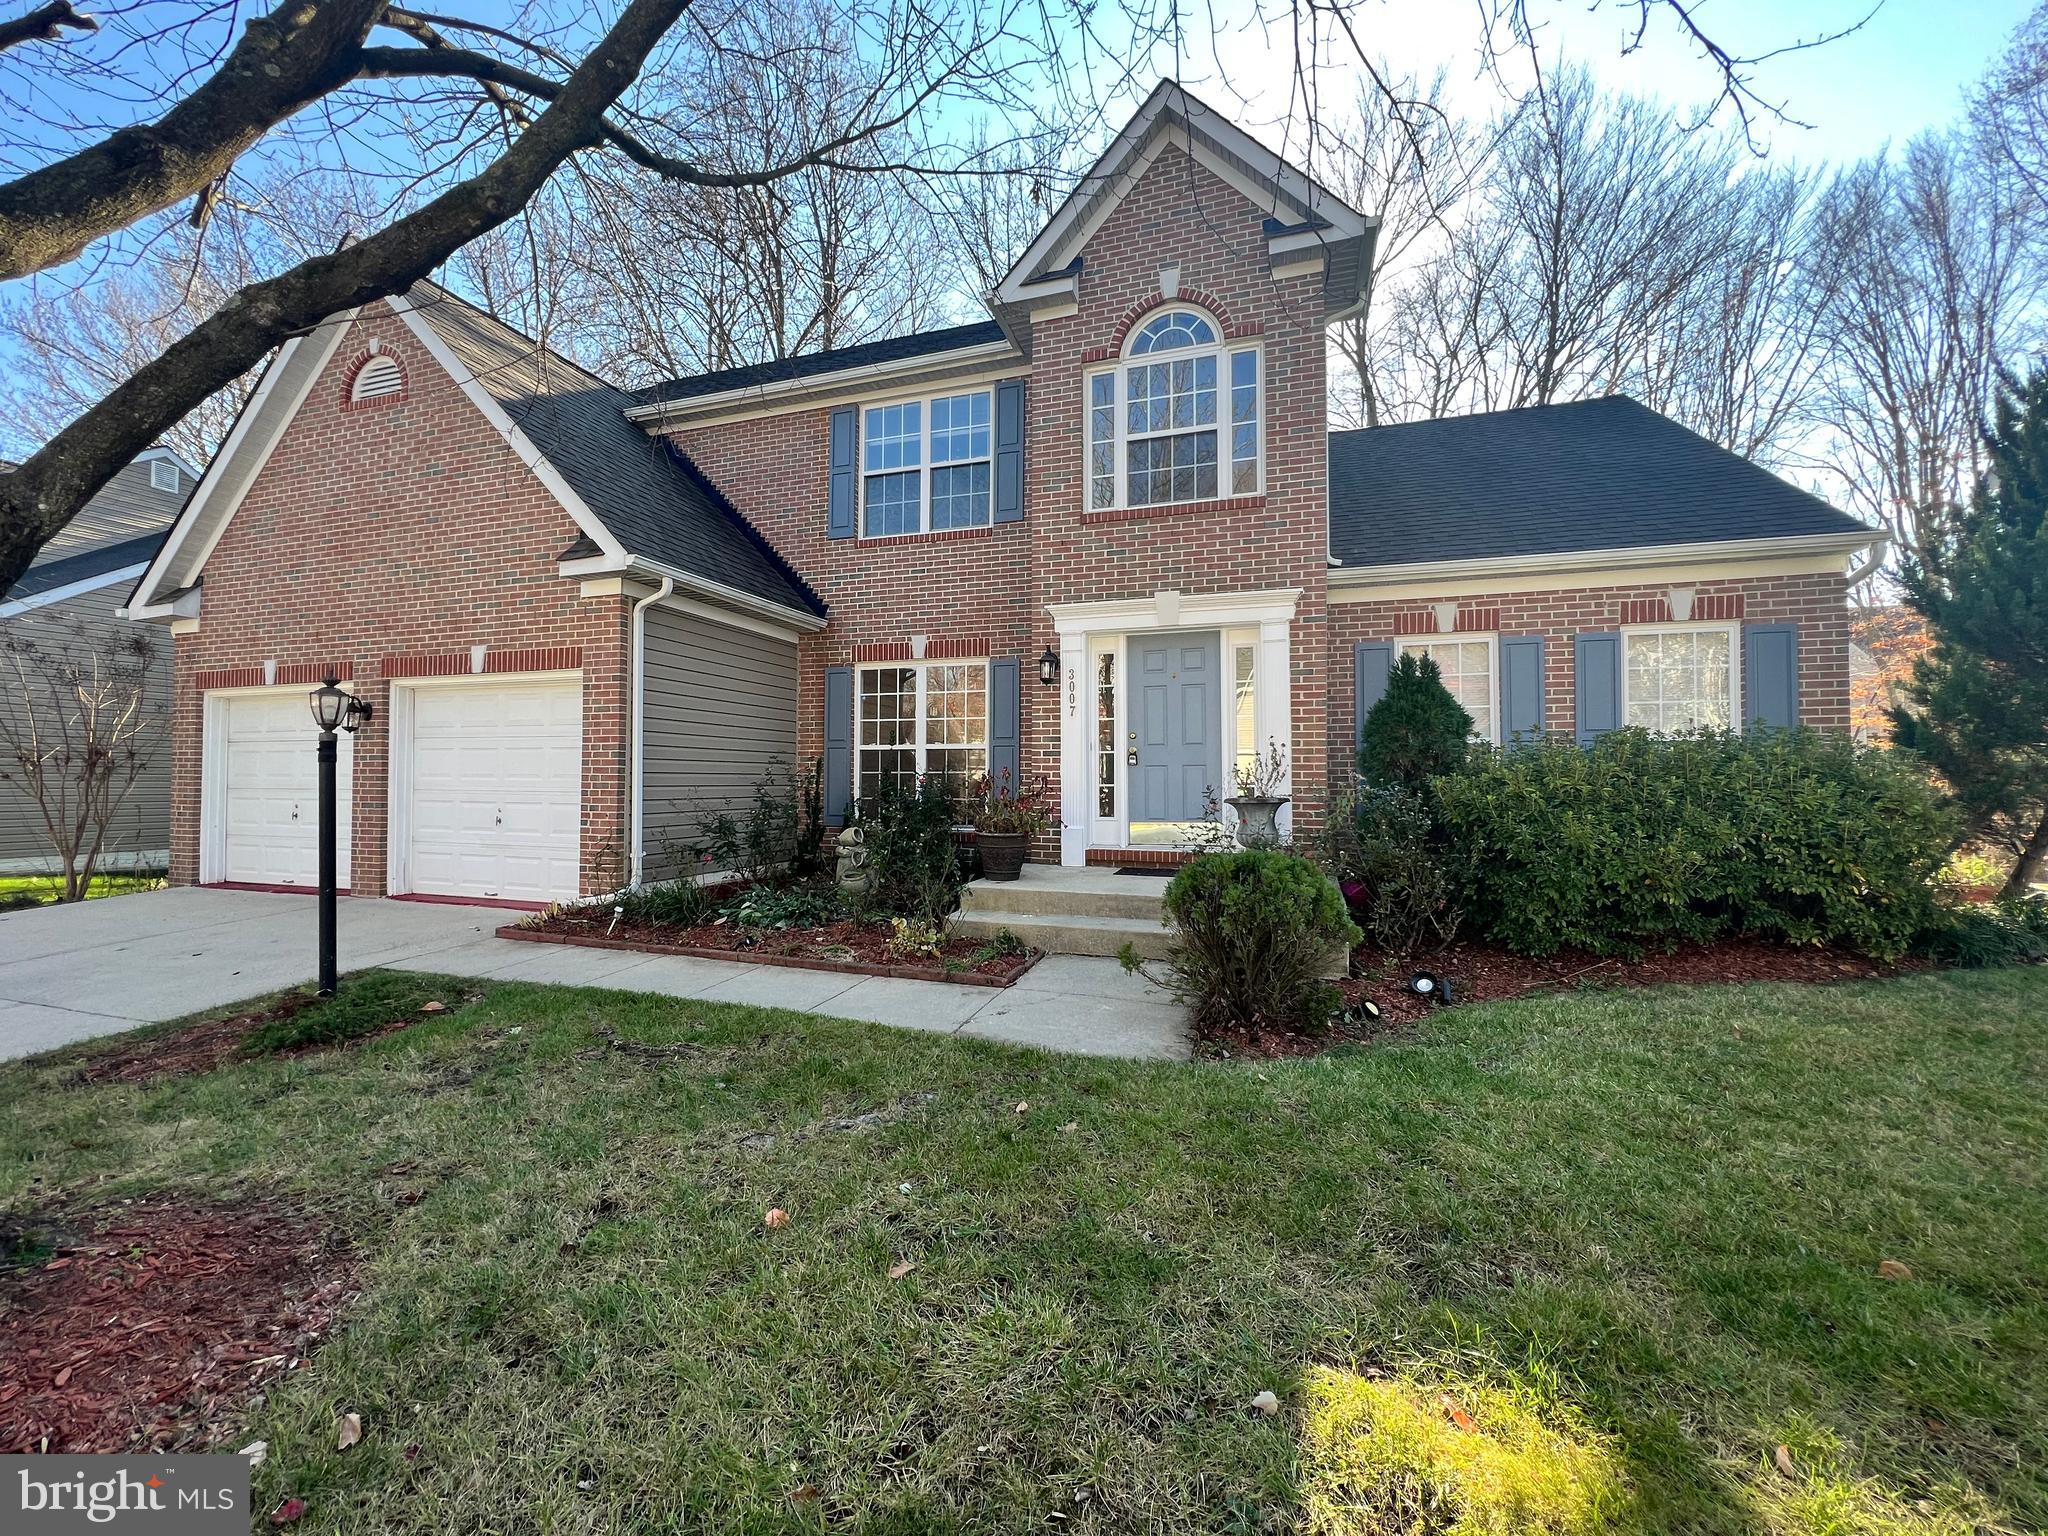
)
(1577, 1264)
(42, 889)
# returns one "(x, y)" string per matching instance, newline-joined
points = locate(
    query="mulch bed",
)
(1479, 973)
(860, 949)
(150, 1326)
(208, 1044)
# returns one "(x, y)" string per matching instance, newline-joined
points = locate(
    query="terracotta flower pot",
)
(1002, 854)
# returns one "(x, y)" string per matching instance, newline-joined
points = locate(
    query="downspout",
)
(1868, 568)
(637, 715)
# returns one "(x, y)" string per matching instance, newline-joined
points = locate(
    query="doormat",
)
(1147, 874)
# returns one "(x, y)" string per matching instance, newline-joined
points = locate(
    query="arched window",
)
(379, 376)
(1177, 420)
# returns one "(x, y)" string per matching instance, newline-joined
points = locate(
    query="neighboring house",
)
(81, 578)
(580, 613)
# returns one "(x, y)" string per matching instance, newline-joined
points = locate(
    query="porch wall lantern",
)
(1049, 668)
(333, 710)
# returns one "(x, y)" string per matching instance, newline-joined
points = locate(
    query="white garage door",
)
(496, 790)
(271, 799)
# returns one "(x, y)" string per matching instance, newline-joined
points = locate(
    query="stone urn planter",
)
(1002, 854)
(1258, 823)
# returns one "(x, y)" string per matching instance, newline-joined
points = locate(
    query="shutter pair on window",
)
(844, 483)
(1770, 681)
(1005, 734)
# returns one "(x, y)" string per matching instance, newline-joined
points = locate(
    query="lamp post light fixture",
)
(333, 710)
(1049, 668)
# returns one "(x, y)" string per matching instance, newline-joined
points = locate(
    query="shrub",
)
(1382, 843)
(2009, 932)
(1643, 841)
(673, 903)
(1416, 731)
(782, 828)
(1253, 931)
(784, 906)
(913, 863)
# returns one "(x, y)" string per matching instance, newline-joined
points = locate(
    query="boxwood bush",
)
(1640, 842)
(1253, 931)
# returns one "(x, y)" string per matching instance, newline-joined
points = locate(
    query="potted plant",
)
(1005, 820)
(1257, 801)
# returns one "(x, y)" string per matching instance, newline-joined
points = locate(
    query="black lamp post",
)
(333, 710)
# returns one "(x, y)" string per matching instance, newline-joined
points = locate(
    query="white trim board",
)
(988, 360)
(71, 589)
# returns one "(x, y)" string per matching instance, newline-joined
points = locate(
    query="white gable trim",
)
(69, 590)
(275, 402)
(585, 519)
(1215, 142)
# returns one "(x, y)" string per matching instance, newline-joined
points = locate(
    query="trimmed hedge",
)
(1641, 842)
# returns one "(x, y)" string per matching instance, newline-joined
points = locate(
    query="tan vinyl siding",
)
(720, 716)
(143, 824)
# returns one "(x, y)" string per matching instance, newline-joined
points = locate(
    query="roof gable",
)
(1303, 216)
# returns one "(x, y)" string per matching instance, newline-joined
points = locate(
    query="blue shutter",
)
(840, 523)
(1010, 451)
(1521, 689)
(1371, 661)
(1596, 684)
(1770, 675)
(838, 744)
(1005, 715)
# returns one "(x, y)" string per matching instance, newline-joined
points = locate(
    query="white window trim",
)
(924, 528)
(1460, 637)
(1120, 417)
(1731, 629)
(924, 670)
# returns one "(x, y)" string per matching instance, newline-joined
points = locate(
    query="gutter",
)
(1606, 559)
(637, 714)
(711, 591)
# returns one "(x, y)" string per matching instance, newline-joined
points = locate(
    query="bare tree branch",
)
(44, 24)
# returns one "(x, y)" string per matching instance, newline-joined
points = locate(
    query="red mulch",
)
(1479, 973)
(181, 1053)
(850, 942)
(153, 1332)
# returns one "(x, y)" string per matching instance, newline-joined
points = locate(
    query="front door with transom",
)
(1177, 735)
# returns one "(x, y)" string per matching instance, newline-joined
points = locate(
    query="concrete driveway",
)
(70, 973)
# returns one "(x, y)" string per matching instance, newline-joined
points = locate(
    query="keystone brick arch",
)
(1198, 298)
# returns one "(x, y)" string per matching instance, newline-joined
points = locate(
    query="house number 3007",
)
(1073, 694)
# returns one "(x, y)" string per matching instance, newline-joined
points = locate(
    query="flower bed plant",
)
(806, 924)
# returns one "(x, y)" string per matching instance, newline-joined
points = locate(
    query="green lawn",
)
(1571, 1264)
(47, 888)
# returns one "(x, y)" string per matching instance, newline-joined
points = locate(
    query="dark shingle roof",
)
(1595, 474)
(644, 490)
(815, 364)
(48, 575)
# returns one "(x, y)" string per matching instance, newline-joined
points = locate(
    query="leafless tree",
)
(107, 132)
(1931, 282)
(2010, 108)
(79, 727)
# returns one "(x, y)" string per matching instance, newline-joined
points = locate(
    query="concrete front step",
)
(1050, 892)
(1069, 933)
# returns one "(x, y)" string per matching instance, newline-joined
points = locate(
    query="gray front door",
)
(1180, 756)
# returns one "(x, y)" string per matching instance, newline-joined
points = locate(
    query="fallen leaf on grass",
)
(1267, 1404)
(898, 1271)
(1459, 1416)
(776, 1219)
(436, 1007)
(1022, 1105)
(288, 1512)
(256, 1451)
(1782, 1459)
(351, 1431)
(806, 1493)
(1071, 1126)
(1892, 1269)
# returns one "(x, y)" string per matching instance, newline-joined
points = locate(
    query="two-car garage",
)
(485, 788)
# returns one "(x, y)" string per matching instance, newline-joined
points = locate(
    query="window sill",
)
(1176, 509)
(938, 536)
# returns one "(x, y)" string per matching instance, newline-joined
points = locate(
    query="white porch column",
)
(1273, 700)
(1077, 703)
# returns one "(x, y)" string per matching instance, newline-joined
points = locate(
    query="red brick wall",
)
(1818, 604)
(998, 582)
(402, 528)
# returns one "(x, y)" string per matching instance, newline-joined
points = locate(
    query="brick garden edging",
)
(794, 962)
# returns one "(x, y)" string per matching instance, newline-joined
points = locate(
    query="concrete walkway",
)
(70, 973)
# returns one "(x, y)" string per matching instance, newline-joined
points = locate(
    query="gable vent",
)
(163, 475)
(379, 376)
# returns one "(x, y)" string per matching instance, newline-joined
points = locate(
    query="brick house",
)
(1103, 539)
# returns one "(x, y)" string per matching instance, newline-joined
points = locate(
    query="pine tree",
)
(1977, 705)
(1416, 730)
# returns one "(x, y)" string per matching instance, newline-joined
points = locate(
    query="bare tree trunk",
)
(2032, 867)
